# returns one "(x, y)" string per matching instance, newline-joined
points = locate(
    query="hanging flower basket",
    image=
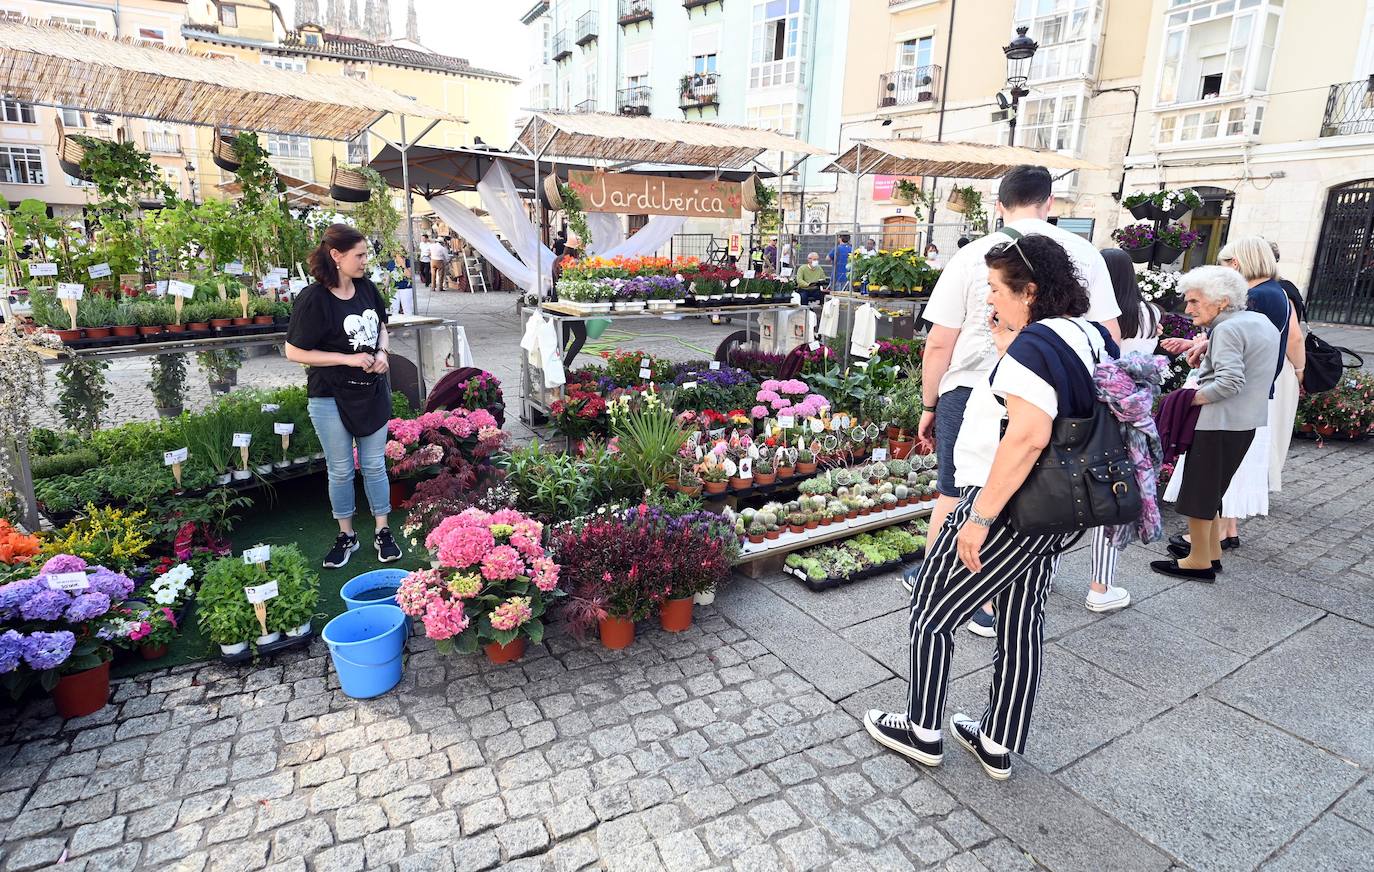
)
(552, 198)
(223, 152)
(1142, 211)
(70, 152)
(749, 197)
(347, 184)
(956, 203)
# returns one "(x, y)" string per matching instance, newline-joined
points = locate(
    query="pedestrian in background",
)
(438, 260)
(424, 258)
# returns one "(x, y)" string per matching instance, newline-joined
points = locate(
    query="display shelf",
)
(568, 312)
(789, 542)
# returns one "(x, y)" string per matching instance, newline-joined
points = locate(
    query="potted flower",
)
(1138, 203)
(491, 586)
(124, 320)
(1169, 205)
(806, 461)
(298, 592)
(1137, 240)
(713, 478)
(796, 521)
(605, 559)
(689, 483)
(1172, 240)
(157, 627)
(756, 531)
(905, 192)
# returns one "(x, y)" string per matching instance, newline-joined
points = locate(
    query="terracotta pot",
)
(852, 514)
(796, 528)
(617, 633)
(762, 478)
(755, 539)
(1326, 430)
(738, 483)
(125, 330)
(676, 615)
(498, 653)
(893, 432)
(68, 335)
(153, 652)
(1353, 434)
(772, 534)
(97, 332)
(241, 322)
(176, 328)
(82, 693)
(811, 525)
(217, 323)
(786, 472)
(149, 331)
(715, 487)
(262, 319)
(899, 448)
(806, 468)
(690, 491)
(198, 326)
(1304, 427)
(401, 490)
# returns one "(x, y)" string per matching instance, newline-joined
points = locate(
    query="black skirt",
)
(1212, 461)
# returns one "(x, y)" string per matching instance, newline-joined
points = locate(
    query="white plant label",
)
(42, 269)
(283, 429)
(746, 467)
(729, 466)
(815, 346)
(160, 288)
(687, 386)
(271, 282)
(177, 456)
(787, 422)
(233, 269)
(297, 285)
(879, 454)
(68, 581)
(748, 274)
(715, 364)
(99, 270)
(70, 290)
(262, 593)
(718, 433)
(269, 408)
(242, 440)
(178, 288)
(817, 425)
(260, 554)
(785, 272)
(645, 373)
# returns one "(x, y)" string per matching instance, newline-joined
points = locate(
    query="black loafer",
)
(1180, 553)
(1177, 539)
(1230, 542)
(1171, 567)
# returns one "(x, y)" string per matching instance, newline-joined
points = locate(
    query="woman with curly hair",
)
(1045, 373)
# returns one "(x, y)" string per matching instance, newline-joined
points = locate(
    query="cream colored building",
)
(932, 69)
(1267, 108)
(28, 133)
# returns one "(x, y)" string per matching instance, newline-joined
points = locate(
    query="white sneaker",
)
(983, 624)
(1109, 601)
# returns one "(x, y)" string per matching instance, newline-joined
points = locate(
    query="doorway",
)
(1342, 287)
(1212, 221)
(899, 231)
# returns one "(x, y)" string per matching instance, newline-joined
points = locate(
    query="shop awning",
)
(58, 66)
(951, 160)
(639, 139)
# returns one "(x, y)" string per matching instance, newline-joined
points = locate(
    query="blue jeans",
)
(949, 417)
(338, 456)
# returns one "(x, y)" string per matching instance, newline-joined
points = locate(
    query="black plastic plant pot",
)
(1139, 255)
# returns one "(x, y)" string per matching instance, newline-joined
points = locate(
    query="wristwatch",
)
(979, 520)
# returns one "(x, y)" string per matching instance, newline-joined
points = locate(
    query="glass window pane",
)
(1235, 121)
(1259, 120)
(1235, 56)
(1188, 131)
(1166, 128)
(1168, 80)
(1178, 18)
(1210, 120)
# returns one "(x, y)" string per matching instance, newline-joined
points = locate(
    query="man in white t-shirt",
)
(959, 349)
(438, 259)
(424, 258)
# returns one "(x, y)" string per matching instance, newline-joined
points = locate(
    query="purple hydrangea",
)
(88, 605)
(63, 563)
(46, 605)
(48, 650)
(11, 650)
(14, 594)
(115, 585)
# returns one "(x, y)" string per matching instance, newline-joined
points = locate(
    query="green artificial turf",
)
(297, 512)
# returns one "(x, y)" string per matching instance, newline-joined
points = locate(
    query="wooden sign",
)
(655, 195)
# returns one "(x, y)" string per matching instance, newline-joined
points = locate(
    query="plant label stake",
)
(223, 292)
(42, 269)
(260, 594)
(241, 442)
(284, 431)
(879, 454)
(243, 299)
(715, 364)
(175, 459)
(99, 270)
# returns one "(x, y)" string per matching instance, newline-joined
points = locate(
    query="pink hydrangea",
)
(394, 450)
(793, 386)
(767, 396)
(444, 620)
(465, 585)
(502, 563)
(511, 613)
(780, 404)
(482, 418)
(758, 412)
(417, 589)
(770, 384)
(458, 544)
(545, 574)
(509, 517)
(460, 426)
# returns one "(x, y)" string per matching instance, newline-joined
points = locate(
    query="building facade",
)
(28, 133)
(1266, 108)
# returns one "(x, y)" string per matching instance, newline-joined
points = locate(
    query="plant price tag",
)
(260, 554)
(297, 285)
(817, 425)
(233, 269)
(242, 440)
(748, 274)
(645, 373)
(261, 593)
(746, 467)
(178, 288)
(269, 408)
(99, 270)
(283, 429)
(70, 290)
(717, 433)
(271, 282)
(687, 386)
(785, 272)
(68, 581)
(879, 454)
(160, 288)
(715, 364)
(42, 269)
(787, 422)
(177, 456)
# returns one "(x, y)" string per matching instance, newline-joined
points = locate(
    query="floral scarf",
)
(1129, 387)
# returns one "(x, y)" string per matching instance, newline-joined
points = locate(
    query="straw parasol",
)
(57, 66)
(952, 160)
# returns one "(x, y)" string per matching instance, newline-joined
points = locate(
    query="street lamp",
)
(1019, 53)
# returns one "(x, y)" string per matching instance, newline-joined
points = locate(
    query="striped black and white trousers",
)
(1016, 576)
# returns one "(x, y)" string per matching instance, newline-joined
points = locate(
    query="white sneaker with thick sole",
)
(1113, 599)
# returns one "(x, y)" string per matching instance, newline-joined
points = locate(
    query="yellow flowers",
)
(106, 537)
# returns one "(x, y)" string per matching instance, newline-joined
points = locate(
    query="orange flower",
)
(16, 547)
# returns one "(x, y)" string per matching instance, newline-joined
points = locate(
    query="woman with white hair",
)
(1234, 381)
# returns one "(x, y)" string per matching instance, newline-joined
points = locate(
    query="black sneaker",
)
(983, 624)
(387, 549)
(344, 546)
(965, 728)
(894, 731)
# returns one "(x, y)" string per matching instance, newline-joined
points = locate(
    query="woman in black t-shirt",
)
(338, 331)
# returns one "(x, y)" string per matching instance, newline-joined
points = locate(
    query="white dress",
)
(1248, 494)
(1283, 409)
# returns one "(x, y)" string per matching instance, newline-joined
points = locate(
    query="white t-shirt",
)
(982, 427)
(1146, 341)
(438, 252)
(424, 251)
(960, 298)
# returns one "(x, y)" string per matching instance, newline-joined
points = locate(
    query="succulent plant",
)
(901, 491)
(757, 528)
(898, 467)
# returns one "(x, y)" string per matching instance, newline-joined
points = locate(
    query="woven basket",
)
(69, 153)
(552, 198)
(346, 183)
(956, 203)
(749, 197)
(223, 153)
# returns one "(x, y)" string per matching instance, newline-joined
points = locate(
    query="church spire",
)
(336, 19)
(412, 23)
(307, 11)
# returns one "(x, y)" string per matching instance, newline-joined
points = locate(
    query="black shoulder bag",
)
(1325, 364)
(1084, 478)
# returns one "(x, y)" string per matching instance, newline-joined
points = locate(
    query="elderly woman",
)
(1044, 374)
(1234, 380)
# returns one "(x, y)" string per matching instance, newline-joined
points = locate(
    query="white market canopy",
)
(639, 139)
(951, 160)
(58, 66)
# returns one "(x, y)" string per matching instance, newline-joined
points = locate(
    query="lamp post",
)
(1019, 53)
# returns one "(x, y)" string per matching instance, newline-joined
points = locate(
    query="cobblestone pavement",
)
(1208, 727)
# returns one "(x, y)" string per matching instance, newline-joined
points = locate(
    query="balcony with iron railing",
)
(633, 101)
(915, 86)
(699, 90)
(162, 142)
(693, 4)
(586, 28)
(561, 48)
(586, 106)
(635, 11)
(1349, 109)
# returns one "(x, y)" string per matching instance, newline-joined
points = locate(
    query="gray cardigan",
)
(1237, 372)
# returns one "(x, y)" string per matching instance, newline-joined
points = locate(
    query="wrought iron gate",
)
(1342, 287)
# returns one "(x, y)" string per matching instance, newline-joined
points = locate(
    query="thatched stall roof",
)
(639, 139)
(57, 66)
(951, 160)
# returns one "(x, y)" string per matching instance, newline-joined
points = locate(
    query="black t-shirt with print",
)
(320, 321)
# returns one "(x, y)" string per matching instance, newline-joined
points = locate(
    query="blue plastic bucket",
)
(369, 589)
(366, 644)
